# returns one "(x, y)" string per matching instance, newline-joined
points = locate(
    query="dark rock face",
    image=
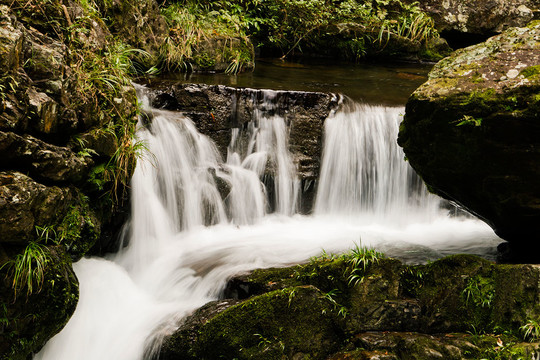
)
(472, 132)
(52, 137)
(218, 109)
(394, 312)
(473, 19)
(50, 308)
(25, 204)
(42, 160)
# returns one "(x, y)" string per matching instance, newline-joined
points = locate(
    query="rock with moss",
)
(471, 132)
(25, 204)
(471, 20)
(67, 116)
(34, 307)
(139, 23)
(365, 307)
(296, 322)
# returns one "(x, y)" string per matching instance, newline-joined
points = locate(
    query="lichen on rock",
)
(396, 311)
(471, 132)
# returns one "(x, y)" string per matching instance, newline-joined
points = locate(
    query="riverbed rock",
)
(387, 310)
(472, 21)
(30, 318)
(472, 133)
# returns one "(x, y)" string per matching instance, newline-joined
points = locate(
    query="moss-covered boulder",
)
(467, 21)
(296, 322)
(35, 306)
(472, 132)
(365, 307)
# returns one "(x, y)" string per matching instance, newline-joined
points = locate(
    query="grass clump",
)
(27, 269)
(531, 330)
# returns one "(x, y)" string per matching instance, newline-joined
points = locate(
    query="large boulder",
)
(388, 311)
(25, 204)
(462, 21)
(472, 132)
(39, 304)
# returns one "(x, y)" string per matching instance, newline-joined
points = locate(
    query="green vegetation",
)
(290, 27)
(469, 120)
(27, 269)
(531, 330)
(28, 321)
(530, 72)
(479, 291)
(359, 259)
(201, 39)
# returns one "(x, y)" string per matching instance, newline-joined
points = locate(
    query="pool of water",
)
(385, 84)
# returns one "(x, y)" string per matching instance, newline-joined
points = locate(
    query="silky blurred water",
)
(186, 240)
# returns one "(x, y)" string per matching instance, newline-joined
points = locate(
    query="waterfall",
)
(198, 220)
(363, 169)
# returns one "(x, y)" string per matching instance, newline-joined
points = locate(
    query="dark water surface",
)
(385, 84)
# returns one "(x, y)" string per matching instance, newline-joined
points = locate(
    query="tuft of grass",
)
(531, 330)
(479, 291)
(359, 259)
(27, 269)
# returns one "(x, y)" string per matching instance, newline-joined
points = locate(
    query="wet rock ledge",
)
(460, 307)
(216, 109)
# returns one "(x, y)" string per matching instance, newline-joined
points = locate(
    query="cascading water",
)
(363, 171)
(186, 240)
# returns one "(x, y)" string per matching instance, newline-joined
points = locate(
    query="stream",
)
(186, 241)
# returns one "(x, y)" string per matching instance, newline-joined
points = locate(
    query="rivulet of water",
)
(198, 220)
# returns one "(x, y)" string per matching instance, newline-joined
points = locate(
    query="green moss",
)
(29, 321)
(80, 229)
(531, 72)
(279, 323)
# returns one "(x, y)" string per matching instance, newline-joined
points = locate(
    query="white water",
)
(186, 242)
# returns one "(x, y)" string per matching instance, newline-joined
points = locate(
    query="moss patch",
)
(29, 321)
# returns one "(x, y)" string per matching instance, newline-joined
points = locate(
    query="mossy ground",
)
(460, 308)
(30, 319)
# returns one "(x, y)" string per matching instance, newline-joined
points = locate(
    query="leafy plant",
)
(27, 269)
(469, 120)
(331, 296)
(46, 233)
(359, 259)
(480, 291)
(531, 330)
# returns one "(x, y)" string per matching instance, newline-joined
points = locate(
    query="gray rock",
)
(11, 40)
(471, 131)
(481, 17)
(42, 160)
(25, 204)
